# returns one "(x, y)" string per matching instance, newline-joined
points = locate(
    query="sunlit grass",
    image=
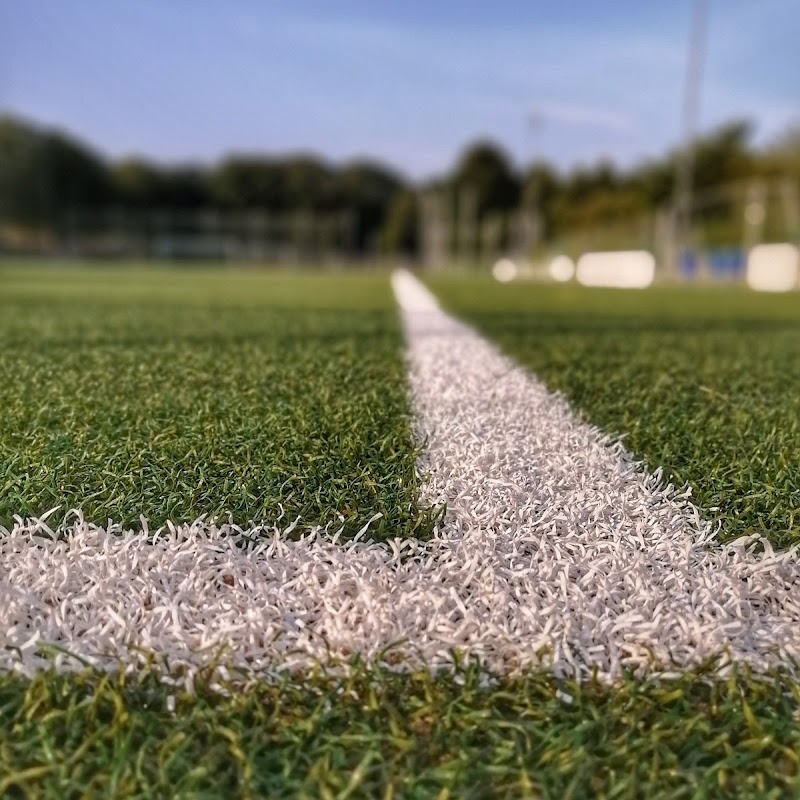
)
(378, 734)
(179, 393)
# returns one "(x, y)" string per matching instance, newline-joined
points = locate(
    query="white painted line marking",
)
(557, 550)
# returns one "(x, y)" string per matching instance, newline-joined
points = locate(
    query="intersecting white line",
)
(557, 550)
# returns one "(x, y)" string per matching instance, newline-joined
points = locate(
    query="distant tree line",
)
(46, 175)
(591, 197)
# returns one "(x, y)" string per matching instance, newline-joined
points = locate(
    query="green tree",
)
(401, 230)
(484, 170)
(365, 191)
(137, 183)
(44, 174)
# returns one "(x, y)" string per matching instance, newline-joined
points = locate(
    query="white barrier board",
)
(561, 269)
(505, 270)
(623, 269)
(773, 267)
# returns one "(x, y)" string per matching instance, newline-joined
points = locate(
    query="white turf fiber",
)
(557, 550)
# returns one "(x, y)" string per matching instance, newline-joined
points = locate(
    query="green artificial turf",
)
(703, 381)
(179, 392)
(377, 735)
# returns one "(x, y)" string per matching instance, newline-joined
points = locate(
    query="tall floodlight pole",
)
(682, 200)
(531, 200)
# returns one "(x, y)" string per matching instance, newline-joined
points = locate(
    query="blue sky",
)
(409, 82)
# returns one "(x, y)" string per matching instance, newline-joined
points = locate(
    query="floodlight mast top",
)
(535, 119)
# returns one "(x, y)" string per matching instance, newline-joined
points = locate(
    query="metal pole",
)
(682, 203)
(531, 196)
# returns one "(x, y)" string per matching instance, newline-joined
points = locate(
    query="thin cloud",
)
(581, 116)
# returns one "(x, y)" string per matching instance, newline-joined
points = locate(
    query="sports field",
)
(570, 602)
